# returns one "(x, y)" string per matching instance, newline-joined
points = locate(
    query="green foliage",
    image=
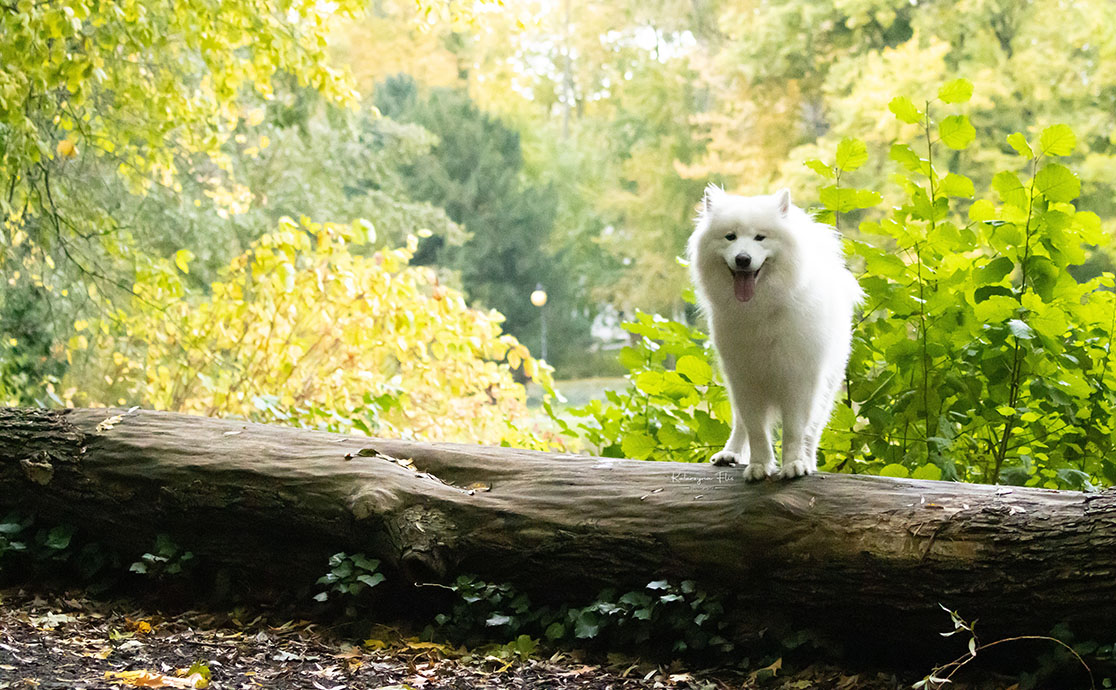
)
(166, 559)
(672, 409)
(349, 576)
(978, 353)
(136, 84)
(475, 172)
(32, 548)
(12, 535)
(662, 618)
(978, 356)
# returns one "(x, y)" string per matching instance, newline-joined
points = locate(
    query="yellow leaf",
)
(152, 679)
(182, 259)
(67, 148)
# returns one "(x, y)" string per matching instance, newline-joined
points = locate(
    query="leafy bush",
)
(349, 576)
(978, 356)
(305, 329)
(681, 616)
(31, 548)
(673, 408)
(166, 559)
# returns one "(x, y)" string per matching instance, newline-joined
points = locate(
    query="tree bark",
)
(869, 557)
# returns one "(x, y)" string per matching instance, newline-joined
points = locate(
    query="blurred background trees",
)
(561, 143)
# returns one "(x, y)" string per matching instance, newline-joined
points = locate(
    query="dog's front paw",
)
(797, 468)
(724, 458)
(756, 472)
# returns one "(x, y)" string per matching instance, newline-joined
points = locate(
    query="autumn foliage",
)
(311, 326)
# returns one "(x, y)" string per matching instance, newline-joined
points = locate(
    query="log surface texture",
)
(855, 555)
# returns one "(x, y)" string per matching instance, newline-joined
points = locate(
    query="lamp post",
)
(538, 298)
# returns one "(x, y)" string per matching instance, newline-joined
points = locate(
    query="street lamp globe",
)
(538, 297)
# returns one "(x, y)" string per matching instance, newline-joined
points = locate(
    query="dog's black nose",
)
(743, 261)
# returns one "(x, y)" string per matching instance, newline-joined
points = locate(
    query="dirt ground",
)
(58, 640)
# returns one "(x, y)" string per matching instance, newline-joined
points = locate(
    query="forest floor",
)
(65, 640)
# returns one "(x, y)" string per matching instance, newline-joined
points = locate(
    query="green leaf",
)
(650, 382)
(851, 154)
(696, 369)
(630, 358)
(956, 131)
(995, 270)
(820, 168)
(371, 580)
(927, 471)
(587, 625)
(956, 91)
(904, 155)
(59, 537)
(1058, 183)
(843, 199)
(1009, 187)
(982, 210)
(555, 631)
(1020, 329)
(906, 111)
(638, 446)
(1057, 140)
(957, 185)
(893, 470)
(1019, 143)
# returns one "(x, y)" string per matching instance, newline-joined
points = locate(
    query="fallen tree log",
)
(853, 555)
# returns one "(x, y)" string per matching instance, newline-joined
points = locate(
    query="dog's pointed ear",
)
(782, 201)
(713, 193)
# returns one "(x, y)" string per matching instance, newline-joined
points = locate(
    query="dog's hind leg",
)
(819, 418)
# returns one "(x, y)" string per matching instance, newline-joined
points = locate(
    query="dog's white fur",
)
(784, 350)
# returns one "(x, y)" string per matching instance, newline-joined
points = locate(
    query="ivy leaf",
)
(1057, 140)
(371, 580)
(851, 154)
(956, 132)
(555, 631)
(893, 470)
(956, 91)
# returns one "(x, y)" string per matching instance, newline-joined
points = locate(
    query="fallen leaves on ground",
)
(56, 642)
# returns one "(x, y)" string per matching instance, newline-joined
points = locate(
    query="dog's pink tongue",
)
(744, 284)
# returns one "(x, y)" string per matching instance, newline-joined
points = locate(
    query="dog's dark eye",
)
(761, 238)
(731, 236)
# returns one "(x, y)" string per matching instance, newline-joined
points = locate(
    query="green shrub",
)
(977, 356)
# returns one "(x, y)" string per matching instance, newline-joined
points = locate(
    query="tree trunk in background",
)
(868, 557)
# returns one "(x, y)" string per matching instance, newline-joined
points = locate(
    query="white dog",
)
(779, 299)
